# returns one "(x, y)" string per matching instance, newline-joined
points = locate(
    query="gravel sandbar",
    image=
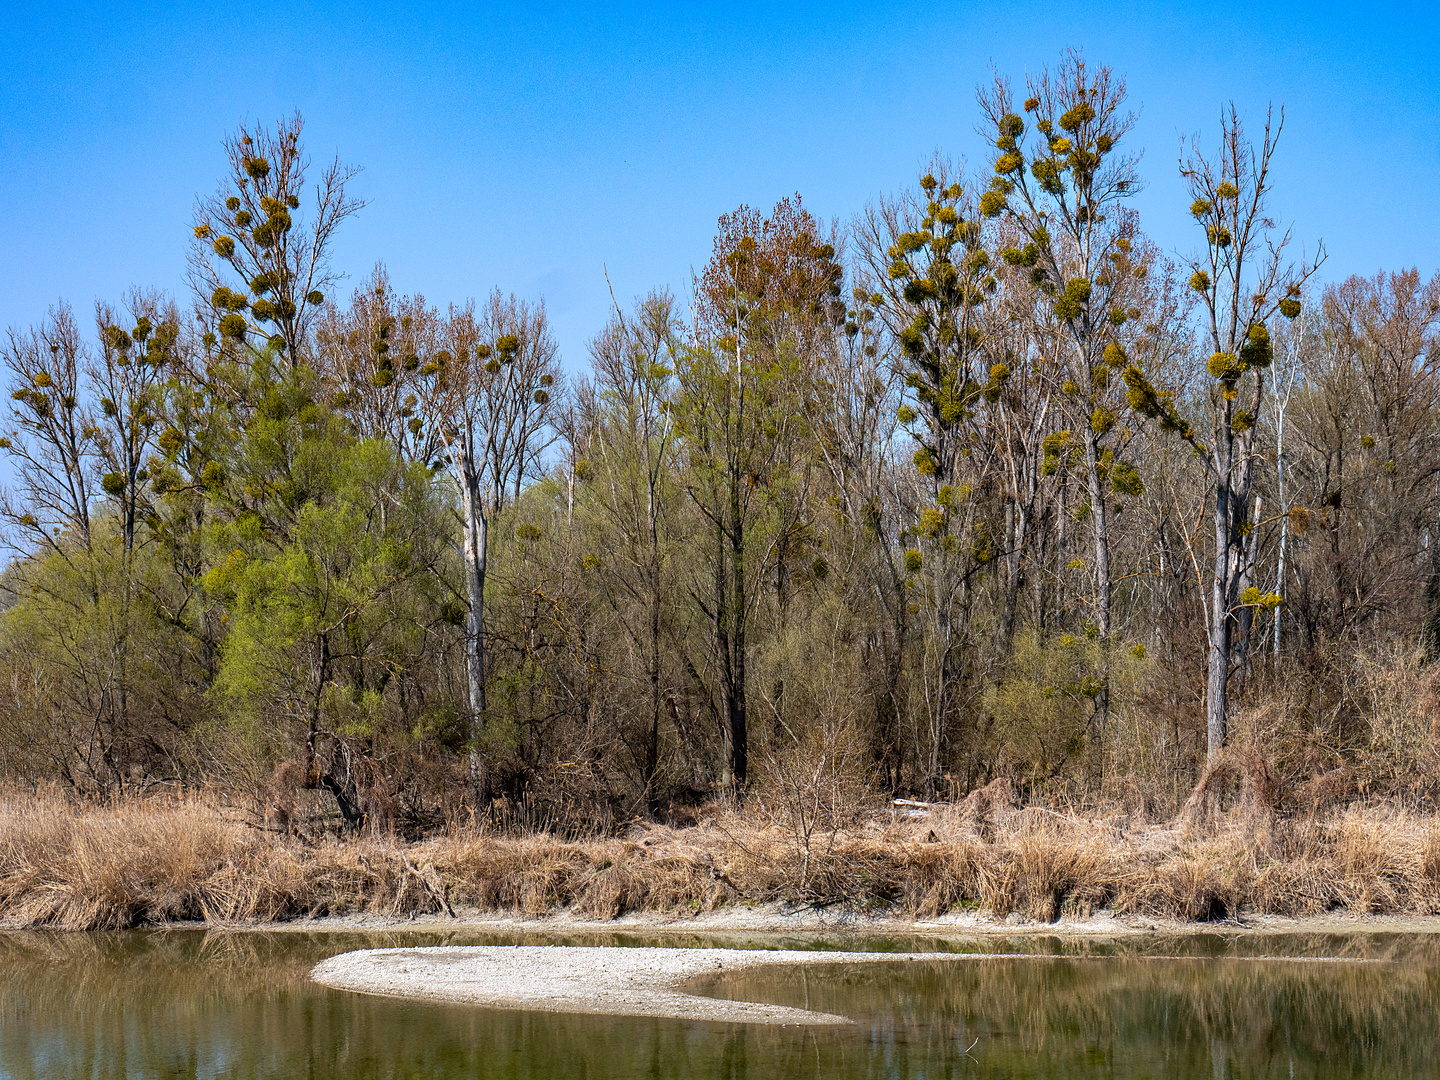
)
(562, 978)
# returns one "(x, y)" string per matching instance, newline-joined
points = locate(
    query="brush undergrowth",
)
(140, 862)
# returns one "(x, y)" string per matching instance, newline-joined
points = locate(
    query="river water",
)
(198, 1004)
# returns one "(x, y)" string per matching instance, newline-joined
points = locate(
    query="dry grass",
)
(145, 862)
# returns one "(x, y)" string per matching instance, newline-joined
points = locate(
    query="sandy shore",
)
(628, 980)
(774, 919)
(557, 978)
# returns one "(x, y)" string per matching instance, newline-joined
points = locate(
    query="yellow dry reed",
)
(153, 861)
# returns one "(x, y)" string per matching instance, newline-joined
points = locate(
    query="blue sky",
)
(531, 147)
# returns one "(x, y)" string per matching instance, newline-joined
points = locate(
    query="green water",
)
(238, 1004)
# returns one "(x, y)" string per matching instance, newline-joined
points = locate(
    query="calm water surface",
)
(237, 1004)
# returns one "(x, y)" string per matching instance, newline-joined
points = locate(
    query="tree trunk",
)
(1222, 601)
(723, 656)
(1431, 631)
(1284, 518)
(1236, 545)
(1017, 535)
(475, 527)
(938, 710)
(739, 748)
(1244, 579)
(1100, 532)
(1217, 678)
(652, 749)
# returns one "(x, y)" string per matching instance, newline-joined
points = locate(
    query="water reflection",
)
(196, 1004)
(1129, 1017)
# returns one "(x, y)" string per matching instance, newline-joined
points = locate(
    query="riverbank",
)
(770, 925)
(972, 867)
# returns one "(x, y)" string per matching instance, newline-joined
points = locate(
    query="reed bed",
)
(153, 861)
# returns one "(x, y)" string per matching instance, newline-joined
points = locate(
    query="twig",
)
(437, 892)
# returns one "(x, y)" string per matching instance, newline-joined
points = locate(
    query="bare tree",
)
(373, 355)
(494, 377)
(49, 445)
(126, 381)
(926, 253)
(632, 430)
(260, 271)
(1242, 280)
(766, 298)
(1063, 192)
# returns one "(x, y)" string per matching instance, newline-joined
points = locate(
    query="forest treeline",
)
(981, 484)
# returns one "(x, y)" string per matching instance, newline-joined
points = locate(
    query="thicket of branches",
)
(981, 484)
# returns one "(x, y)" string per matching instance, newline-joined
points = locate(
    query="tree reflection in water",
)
(239, 1004)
